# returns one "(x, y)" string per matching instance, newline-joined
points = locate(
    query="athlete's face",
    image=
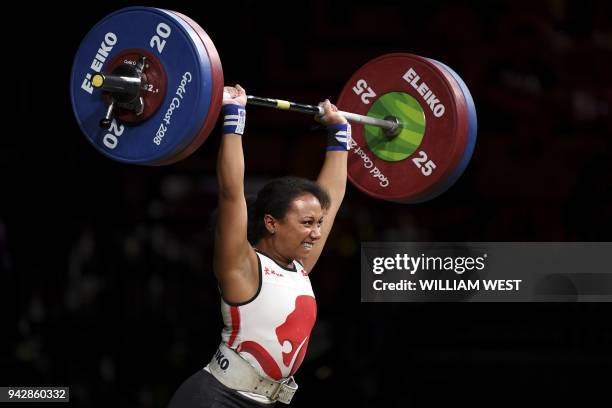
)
(300, 230)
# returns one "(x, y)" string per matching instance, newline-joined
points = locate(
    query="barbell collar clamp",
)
(117, 84)
(108, 118)
(391, 133)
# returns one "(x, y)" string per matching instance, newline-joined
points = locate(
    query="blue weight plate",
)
(471, 133)
(187, 68)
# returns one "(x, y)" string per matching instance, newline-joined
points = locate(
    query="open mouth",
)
(307, 245)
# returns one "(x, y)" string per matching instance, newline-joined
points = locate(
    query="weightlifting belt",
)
(236, 373)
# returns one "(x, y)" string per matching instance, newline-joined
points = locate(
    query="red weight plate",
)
(417, 177)
(216, 95)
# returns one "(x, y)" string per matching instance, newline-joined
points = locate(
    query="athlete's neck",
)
(268, 247)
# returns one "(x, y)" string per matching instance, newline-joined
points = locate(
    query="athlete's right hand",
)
(234, 95)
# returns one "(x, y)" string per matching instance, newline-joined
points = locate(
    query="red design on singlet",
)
(235, 313)
(296, 330)
(264, 359)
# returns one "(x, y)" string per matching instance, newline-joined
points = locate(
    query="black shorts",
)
(202, 390)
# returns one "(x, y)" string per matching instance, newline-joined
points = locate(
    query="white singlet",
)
(271, 331)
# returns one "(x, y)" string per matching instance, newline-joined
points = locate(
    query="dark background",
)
(106, 268)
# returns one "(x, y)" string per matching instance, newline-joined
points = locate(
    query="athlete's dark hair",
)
(275, 199)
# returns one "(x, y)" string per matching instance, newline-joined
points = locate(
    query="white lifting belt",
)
(236, 373)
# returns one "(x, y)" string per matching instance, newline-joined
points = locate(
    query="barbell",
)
(147, 84)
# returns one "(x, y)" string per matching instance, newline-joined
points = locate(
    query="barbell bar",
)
(130, 87)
